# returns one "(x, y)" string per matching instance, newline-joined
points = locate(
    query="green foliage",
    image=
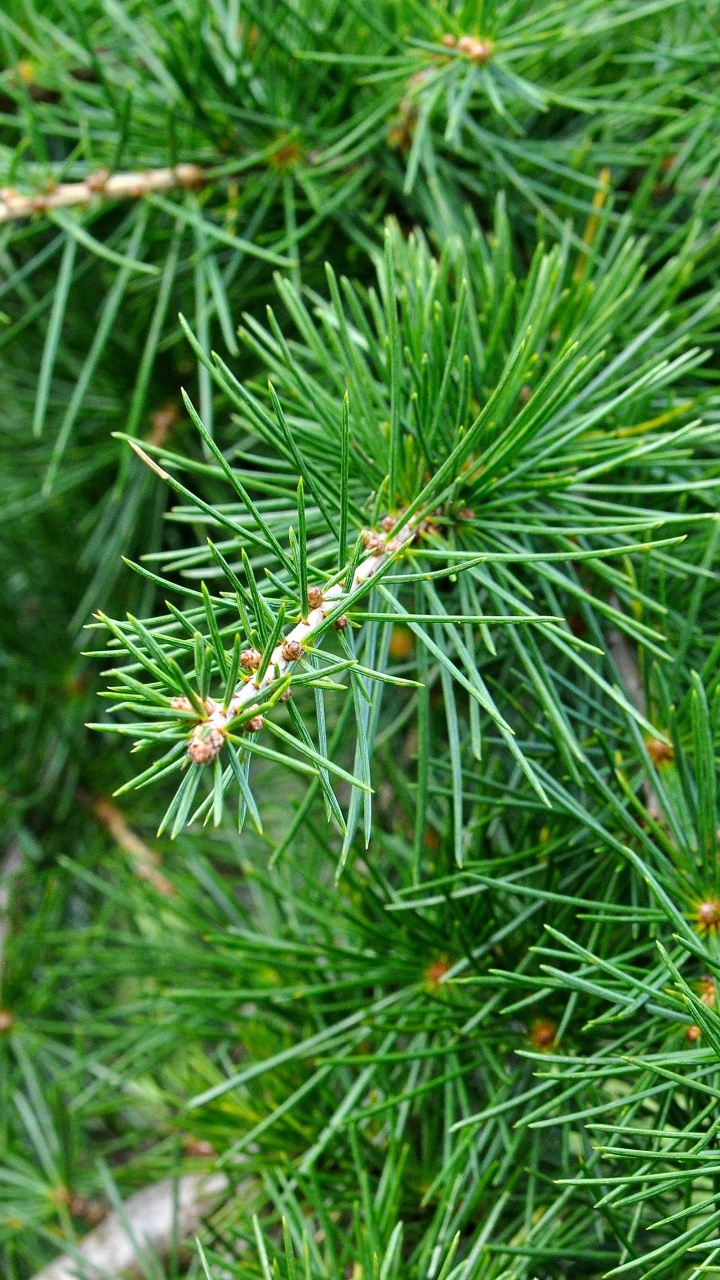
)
(416, 646)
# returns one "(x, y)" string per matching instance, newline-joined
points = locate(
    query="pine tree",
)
(359, 872)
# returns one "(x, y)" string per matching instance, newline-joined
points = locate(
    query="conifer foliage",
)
(360, 538)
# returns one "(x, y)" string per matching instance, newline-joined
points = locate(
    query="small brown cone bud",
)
(341, 622)
(707, 991)
(286, 696)
(449, 41)
(204, 747)
(476, 50)
(181, 704)
(436, 971)
(97, 181)
(198, 1147)
(291, 650)
(707, 914)
(315, 597)
(660, 752)
(90, 1211)
(388, 523)
(693, 1033)
(250, 659)
(542, 1034)
(254, 725)
(373, 542)
(6, 1020)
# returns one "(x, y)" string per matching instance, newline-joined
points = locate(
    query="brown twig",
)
(625, 659)
(145, 860)
(101, 185)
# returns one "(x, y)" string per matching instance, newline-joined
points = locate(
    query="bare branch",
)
(101, 185)
(152, 1219)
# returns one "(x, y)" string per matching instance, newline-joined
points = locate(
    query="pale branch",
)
(99, 186)
(153, 1218)
(11, 864)
(207, 738)
(625, 659)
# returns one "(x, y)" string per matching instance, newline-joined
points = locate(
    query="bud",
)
(373, 542)
(181, 704)
(254, 725)
(6, 1020)
(205, 745)
(250, 659)
(341, 622)
(315, 597)
(198, 1147)
(477, 50)
(660, 752)
(707, 914)
(542, 1034)
(291, 650)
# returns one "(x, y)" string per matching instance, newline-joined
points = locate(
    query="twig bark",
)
(144, 859)
(626, 663)
(101, 185)
(206, 740)
(153, 1218)
(290, 647)
(12, 862)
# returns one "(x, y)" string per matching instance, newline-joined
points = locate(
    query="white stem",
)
(248, 693)
(101, 185)
(12, 862)
(151, 1219)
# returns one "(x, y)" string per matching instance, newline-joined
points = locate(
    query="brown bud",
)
(693, 1033)
(6, 1020)
(90, 1211)
(436, 971)
(315, 597)
(250, 659)
(98, 180)
(542, 1034)
(476, 50)
(467, 513)
(341, 622)
(388, 523)
(189, 175)
(525, 393)
(707, 991)
(162, 422)
(198, 1147)
(449, 40)
(254, 725)
(373, 542)
(205, 745)
(660, 752)
(286, 696)
(707, 914)
(291, 650)
(181, 704)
